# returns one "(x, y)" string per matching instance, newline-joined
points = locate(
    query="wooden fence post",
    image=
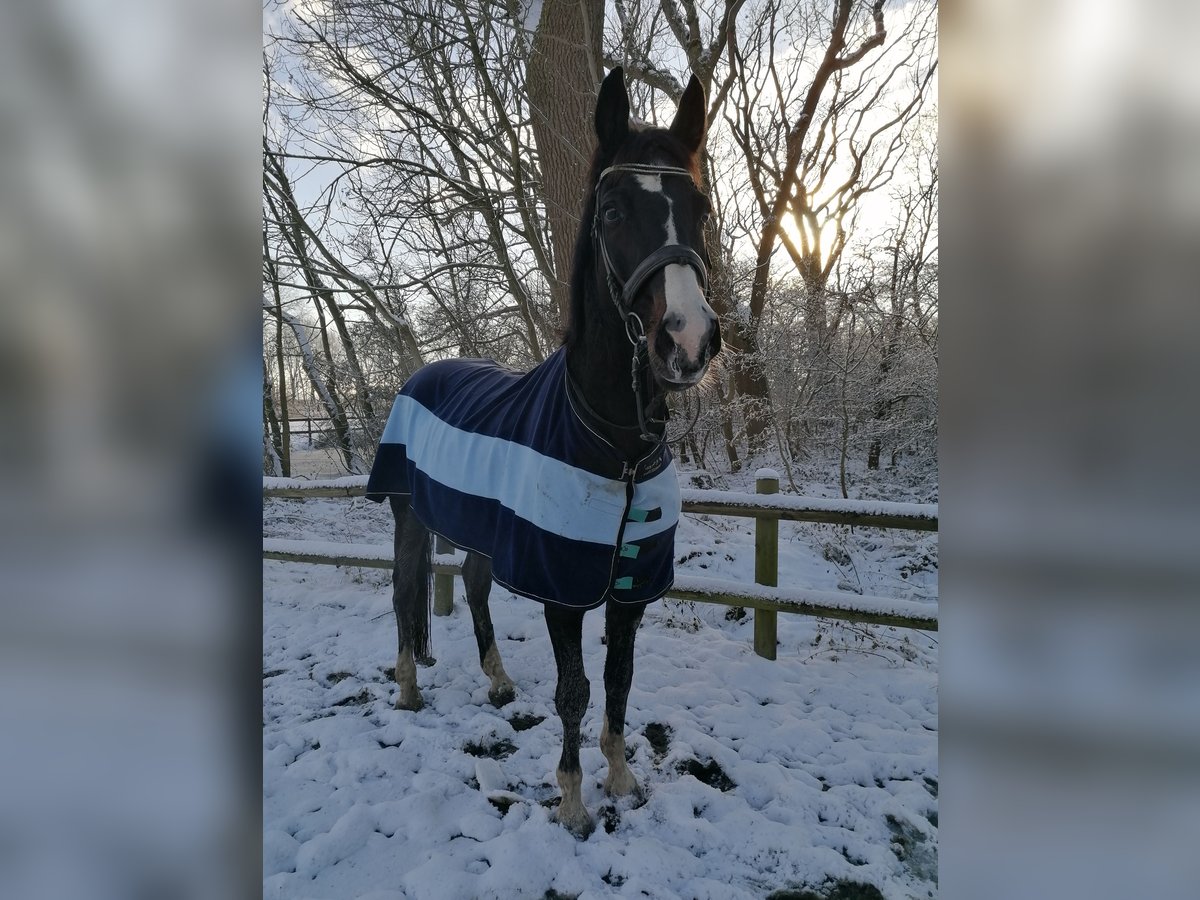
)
(766, 565)
(443, 585)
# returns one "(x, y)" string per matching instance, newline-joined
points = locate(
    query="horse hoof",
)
(579, 823)
(502, 696)
(622, 784)
(414, 704)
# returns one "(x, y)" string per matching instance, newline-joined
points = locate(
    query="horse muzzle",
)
(685, 345)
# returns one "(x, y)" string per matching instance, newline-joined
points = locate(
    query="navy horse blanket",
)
(502, 463)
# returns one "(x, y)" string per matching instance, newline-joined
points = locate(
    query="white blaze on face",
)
(684, 295)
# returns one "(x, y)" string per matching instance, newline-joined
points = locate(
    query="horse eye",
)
(612, 215)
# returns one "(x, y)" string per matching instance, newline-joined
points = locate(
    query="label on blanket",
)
(500, 463)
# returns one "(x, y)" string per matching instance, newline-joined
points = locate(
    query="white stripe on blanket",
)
(553, 495)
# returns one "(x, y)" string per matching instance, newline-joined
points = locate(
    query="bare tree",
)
(817, 138)
(909, 326)
(413, 116)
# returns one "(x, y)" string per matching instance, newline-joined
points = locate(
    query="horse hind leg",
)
(571, 700)
(477, 578)
(621, 624)
(411, 574)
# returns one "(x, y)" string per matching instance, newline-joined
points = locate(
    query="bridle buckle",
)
(634, 329)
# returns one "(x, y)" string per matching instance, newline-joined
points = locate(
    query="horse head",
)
(648, 225)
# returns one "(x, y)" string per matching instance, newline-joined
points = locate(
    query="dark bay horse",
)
(558, 483)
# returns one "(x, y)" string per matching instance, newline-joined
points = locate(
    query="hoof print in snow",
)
(913, 848)
(336, 677)
(830, 890)
(492, 750)
(609, 818)
(831, 552)
(362, 698)
(710, 773)
(659, 737)
(273, 673)
(851, 858)
(552, 894)
(931, 785)
(525, 721)
(925, 564)
(504, 804)
(389, 673)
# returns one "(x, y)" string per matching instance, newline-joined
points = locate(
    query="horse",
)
(558, 483)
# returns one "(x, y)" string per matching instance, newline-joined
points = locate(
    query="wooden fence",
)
(767, 507)
(310, 425)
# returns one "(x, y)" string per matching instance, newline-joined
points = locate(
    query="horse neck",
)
(599, 358)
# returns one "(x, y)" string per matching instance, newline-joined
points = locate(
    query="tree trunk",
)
(285, 437)
(273, 444)
(328, 396)
(726, 399)
(883, 405)
(741, 356)
(563, 73)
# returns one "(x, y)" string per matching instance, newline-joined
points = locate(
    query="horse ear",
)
(690, 118)
(612, 112)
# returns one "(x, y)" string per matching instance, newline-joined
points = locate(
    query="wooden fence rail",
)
(766, 507)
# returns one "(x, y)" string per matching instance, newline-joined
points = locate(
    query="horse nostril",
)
(673, 321)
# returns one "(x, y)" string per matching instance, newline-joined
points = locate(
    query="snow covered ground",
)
(817, 772)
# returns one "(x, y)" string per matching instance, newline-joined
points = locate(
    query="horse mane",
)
(644, 144)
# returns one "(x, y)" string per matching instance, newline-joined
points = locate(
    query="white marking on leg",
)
(406, 678)
(620, 781)
(572, 814)
(502, 689)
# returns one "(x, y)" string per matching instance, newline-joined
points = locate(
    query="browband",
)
(643, 169)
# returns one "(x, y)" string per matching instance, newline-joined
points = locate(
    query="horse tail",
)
(412, 573)
(422, 612)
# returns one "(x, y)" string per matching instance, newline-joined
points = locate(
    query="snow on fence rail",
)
(764, 597)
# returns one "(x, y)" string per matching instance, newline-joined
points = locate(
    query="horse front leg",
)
(621, 623)
(571, 700)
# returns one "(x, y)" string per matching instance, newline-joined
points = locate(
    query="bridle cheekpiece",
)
(623, 292)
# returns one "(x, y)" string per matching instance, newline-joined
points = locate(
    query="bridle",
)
(623, 292)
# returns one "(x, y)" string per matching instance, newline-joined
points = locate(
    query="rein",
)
(623, 293)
